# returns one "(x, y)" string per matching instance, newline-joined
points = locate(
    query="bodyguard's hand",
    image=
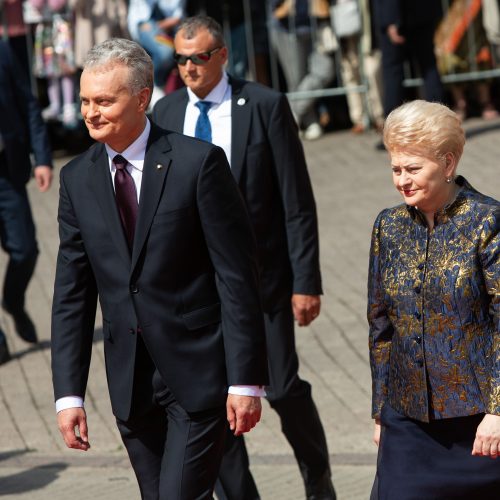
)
(305, 308)
(487, 442)
(394, 36)
(243, 413)
(43, 177)
(69, 421)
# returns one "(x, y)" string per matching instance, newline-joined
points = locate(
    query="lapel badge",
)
(241, 101)
(159, 166)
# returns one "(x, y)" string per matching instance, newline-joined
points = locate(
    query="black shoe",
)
(321, 490)
(4, 349)
(24, 326)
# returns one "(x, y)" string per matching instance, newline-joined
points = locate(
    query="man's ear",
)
(144, 97)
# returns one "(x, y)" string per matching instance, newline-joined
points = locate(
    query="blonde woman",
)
(434, 316)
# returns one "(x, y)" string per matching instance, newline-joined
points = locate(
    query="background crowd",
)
(342, 67)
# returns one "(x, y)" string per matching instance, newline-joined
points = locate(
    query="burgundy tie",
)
(126, 197)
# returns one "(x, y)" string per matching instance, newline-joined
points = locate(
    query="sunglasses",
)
(199, 59)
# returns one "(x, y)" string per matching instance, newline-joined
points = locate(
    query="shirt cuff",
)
(68, 402)
(247, 390)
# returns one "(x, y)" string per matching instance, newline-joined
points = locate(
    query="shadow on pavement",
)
(7, 455)
(31, 479)
(482, 129)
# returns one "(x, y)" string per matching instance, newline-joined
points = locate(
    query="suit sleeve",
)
(297, 198)
(74, 306)
(232, 249)
(28, 105)
(388, 12)
(380, 327)
(489, 252)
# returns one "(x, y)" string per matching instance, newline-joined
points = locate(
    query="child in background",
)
(54, 60)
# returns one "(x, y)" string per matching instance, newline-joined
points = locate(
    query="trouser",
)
(291, 398)
(17, 236)
(175, 454)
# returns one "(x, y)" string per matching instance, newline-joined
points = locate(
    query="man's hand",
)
(43, 177)
(487, 442)
(394, 36)
(243, 413)
(305, 308)
(69, 421)
(376, 432)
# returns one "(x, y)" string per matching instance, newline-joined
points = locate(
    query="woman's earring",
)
(448, 180)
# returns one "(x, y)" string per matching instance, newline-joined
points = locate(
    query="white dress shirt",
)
(219, 115)
(135, 155)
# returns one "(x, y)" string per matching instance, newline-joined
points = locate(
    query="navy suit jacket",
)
(190, 281)
(21, 125)
(268, 163)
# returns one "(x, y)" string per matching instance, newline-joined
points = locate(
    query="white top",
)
(219, 114)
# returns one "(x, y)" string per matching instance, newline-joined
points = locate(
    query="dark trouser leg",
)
(235, 481)
(422, 44)
(291, 398)
(175, 454)
(393, 57)
(17, 234)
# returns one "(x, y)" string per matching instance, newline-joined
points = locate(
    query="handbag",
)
(345, 16)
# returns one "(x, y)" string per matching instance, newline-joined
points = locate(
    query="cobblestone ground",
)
(352, 184)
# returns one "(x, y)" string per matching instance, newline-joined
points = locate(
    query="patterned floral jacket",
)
(434, 309)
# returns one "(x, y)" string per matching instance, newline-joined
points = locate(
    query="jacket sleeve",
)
(74, 306)
(380, 327)
(233, 253)
(28, 105)
(388, 12)
(297, 198)
(489, 251)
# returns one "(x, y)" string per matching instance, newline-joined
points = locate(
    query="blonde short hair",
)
(424, 128)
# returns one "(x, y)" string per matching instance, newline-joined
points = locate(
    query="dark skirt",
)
(432, 461)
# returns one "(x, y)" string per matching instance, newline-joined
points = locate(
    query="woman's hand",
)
(376, 431)
(487, 442)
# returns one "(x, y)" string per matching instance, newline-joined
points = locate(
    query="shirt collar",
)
(136, 152)
(216, 95)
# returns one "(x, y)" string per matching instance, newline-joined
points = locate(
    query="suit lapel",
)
(241, 114)
(156, 164)
(102, 185)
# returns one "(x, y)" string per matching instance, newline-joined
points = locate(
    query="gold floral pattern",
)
(434, 309)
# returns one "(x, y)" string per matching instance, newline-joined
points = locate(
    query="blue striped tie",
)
(203, 128)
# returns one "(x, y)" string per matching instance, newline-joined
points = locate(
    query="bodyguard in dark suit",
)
(22, 130)
(152, 223)
(256, 128)
(406, 29)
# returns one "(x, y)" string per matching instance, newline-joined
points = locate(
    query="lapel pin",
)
(159, 166)
(241, 101)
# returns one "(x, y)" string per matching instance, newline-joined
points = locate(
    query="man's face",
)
(111, 113)
(200, 78)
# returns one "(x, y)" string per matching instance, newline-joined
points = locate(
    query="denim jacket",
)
(434, 309)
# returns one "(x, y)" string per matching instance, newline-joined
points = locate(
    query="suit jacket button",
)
(134, 288)
(417, 289)
(131, 331)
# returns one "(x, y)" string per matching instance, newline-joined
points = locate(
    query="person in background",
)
(55, 60)
(406, 29)
(96, 21)
(21, 130)
(255, 127)
(434, 318)
(294, 35)
(153, 23)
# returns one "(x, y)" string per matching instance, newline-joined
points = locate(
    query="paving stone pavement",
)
(352, 184)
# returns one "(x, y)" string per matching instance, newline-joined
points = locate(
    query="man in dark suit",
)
(22, 130)
(256, 128)
(152, 222)
(406, 29)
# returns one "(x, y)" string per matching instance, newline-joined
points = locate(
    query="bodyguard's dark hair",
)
(128, 53)
(192, 25)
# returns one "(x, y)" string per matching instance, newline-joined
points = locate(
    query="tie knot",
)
(120, 162)
(203, 106)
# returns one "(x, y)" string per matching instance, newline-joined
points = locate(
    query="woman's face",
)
(422, 181)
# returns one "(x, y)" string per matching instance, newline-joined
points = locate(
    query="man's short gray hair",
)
(127, 53)
(192, 25)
